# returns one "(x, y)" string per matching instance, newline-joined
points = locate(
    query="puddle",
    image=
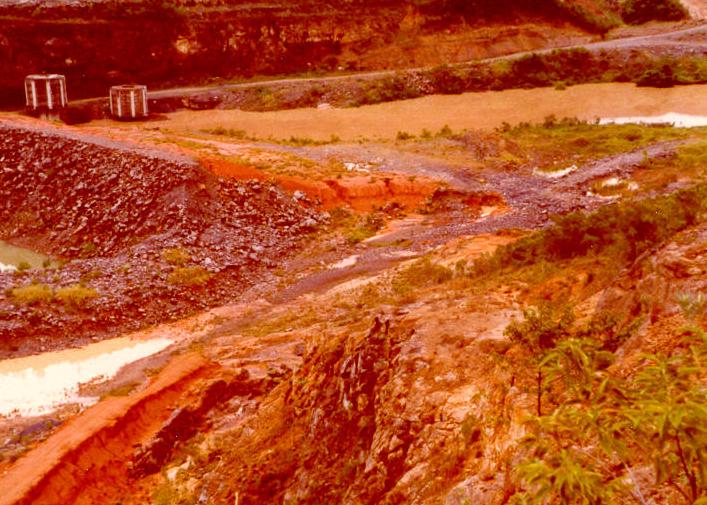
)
(12, 256)
(37, 385)
(677, 120)
(7, 268)
(555, 174)
(346, 262)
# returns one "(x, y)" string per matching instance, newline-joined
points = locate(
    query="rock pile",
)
(110, 211)
(84, 199)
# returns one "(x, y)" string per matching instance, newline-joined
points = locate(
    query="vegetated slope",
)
(430, 403)
(170, 43)
(150, 237)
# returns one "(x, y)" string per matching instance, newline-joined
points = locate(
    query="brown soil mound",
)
(357, 192)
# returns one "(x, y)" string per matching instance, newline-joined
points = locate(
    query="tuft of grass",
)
(23, 266)
(33, 294)
(76, 296)
(403, 135)
(176, 256)
(445, 132)
(189, 276)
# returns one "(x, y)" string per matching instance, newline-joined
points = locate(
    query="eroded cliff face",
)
(163, 44)
(421, 407)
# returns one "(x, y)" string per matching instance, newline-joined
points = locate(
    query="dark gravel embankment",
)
(110, 211)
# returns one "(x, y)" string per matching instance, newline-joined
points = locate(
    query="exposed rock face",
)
(420, 409)
(113, 209)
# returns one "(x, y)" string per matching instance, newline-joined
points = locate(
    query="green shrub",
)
(189, 276)
(76, 296)
(599, 22)
(420, 274)
(540, 331)
(627, 228)
(642, 11)
(658, 78)
(33, 294)
(658, 416)
(447, 81)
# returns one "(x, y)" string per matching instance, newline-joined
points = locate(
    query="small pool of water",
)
(12, 256)
(678, 120)
(36, 385)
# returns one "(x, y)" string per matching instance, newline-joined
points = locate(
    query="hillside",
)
(359, 252)
(171, 44)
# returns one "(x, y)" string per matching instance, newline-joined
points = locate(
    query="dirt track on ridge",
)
(669, 39)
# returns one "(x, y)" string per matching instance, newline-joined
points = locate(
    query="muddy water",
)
(11, 256)
(471, 111)
(37, 385)
(678, 120)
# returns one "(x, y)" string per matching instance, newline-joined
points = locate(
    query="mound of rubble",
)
(110, 211)
(81, 198)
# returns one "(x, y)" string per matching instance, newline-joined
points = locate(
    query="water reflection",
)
(678, 120)
(39, 384)
(12, 256)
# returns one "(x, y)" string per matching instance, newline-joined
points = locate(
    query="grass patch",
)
(306, 141)
(189, 276)
(75, 296)
(176, 256)
(551, 140)
(123, 390)
(228, 132)
(355, 228)
(421, 274)
(33, 294)
(289, 320)
(623, 230)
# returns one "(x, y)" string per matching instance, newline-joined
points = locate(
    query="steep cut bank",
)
(428, 406)
(142, 236)
(173, 43)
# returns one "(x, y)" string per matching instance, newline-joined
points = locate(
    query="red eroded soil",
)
(361, 193)
(86, 461)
